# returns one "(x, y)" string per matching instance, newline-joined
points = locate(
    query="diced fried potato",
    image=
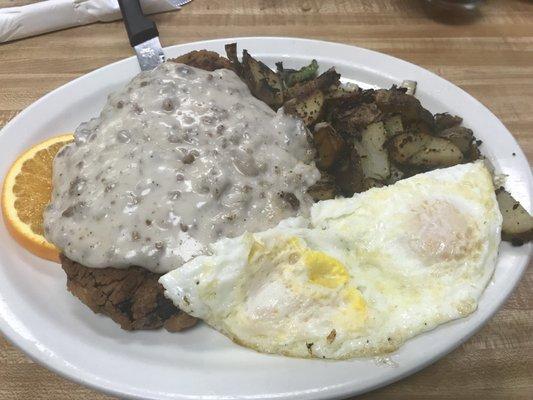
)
(396, 174)
(329, 145)
(394, 101)
(349, 174)
(342, 98)
(324, 189)
(419, 127)
(464, 139)
(393, 125)
(404, 146)
(473, 153)
(231, 52)
(374, 157)
(323, 83)
(445, 121)
(371, 137)
(264, 83)
(344, 90)
(327, 80)
(517, 226)
(438, 153)
(309, 108)
(271, 77)
(424, 151)
(460, 136)
(369, 183)
(352, 121)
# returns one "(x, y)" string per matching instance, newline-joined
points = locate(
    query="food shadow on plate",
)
(103, 326)
(159, 345)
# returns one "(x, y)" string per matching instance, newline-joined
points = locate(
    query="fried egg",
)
(358, 278)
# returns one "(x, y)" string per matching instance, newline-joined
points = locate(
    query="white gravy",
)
(177, 159)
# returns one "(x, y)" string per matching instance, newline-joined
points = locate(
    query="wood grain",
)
(491, 57)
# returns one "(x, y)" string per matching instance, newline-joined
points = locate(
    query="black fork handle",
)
(139, 28)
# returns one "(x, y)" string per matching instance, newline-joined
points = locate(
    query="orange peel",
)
(26, 192)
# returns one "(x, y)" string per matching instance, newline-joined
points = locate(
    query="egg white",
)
(360, 277)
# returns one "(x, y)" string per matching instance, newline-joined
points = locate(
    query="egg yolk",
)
(325, 270)
(285, 297)
(354, 299)
(440, 232)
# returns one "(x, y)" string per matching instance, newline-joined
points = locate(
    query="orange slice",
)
(26, 192)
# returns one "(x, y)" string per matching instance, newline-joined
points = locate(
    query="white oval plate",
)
(54, 328)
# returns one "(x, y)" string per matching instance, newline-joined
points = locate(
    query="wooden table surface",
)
(491, 57)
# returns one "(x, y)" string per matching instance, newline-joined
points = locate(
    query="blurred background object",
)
(453, 11)
(52, 15)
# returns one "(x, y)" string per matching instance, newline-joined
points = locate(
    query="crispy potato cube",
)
(264, 83)
(424, 151)
(460, 136)
(329, 144)
(309, 108)
(324, 189)
(393, 125)
(349, 174)
(439, 153)
(445, 121)
(374, 157)
(517, 226)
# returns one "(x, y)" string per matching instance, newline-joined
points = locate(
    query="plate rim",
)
(339, 391)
